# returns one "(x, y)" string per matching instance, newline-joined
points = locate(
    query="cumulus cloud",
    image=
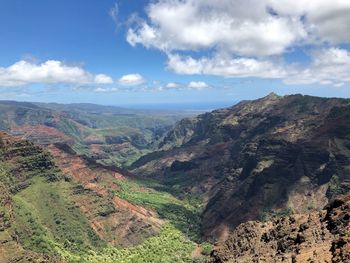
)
(198, 85)
(131, 80)
(329, 67)
(248, 38)
(323, 19)
(49, 72)
(103, 79)
(226, 66)
(226, 25)
(244, 27)
(172, 85)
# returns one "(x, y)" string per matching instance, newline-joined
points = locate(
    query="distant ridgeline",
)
(111, 135)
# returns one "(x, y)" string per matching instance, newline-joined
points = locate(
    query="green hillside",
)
(41, 219)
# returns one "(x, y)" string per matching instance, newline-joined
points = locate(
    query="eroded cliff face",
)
(55, 204)
(316, 237)
(20, 161)
(116, 221)
(259, 159)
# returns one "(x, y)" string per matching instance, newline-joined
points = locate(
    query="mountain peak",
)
(272, 95)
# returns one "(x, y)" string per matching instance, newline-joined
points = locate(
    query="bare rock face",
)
(315, 237)
(337, 219)
(116, 221)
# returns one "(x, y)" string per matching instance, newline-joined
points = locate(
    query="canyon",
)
(262, 181)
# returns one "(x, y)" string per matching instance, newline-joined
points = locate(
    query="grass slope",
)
(169, 246)
(182, 214)
(49, 223)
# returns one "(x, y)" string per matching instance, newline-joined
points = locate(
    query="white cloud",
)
(244, 27)
(248, 38)
(106, 90)
(172, 85)
(132, 80)
(49, 72)
(226, 66)
(329, 67)
(324, 20)
(103, 79)
(198, 85)
(223, 24)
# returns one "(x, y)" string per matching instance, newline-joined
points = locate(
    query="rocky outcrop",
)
(315, 237)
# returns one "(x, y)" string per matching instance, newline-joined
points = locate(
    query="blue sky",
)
(158, 52)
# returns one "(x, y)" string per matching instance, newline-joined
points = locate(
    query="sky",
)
(138, 52)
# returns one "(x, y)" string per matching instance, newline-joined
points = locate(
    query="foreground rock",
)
(316, 237)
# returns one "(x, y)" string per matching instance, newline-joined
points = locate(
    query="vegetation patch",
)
(48, 223)
(182, 214)
(169, 246)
